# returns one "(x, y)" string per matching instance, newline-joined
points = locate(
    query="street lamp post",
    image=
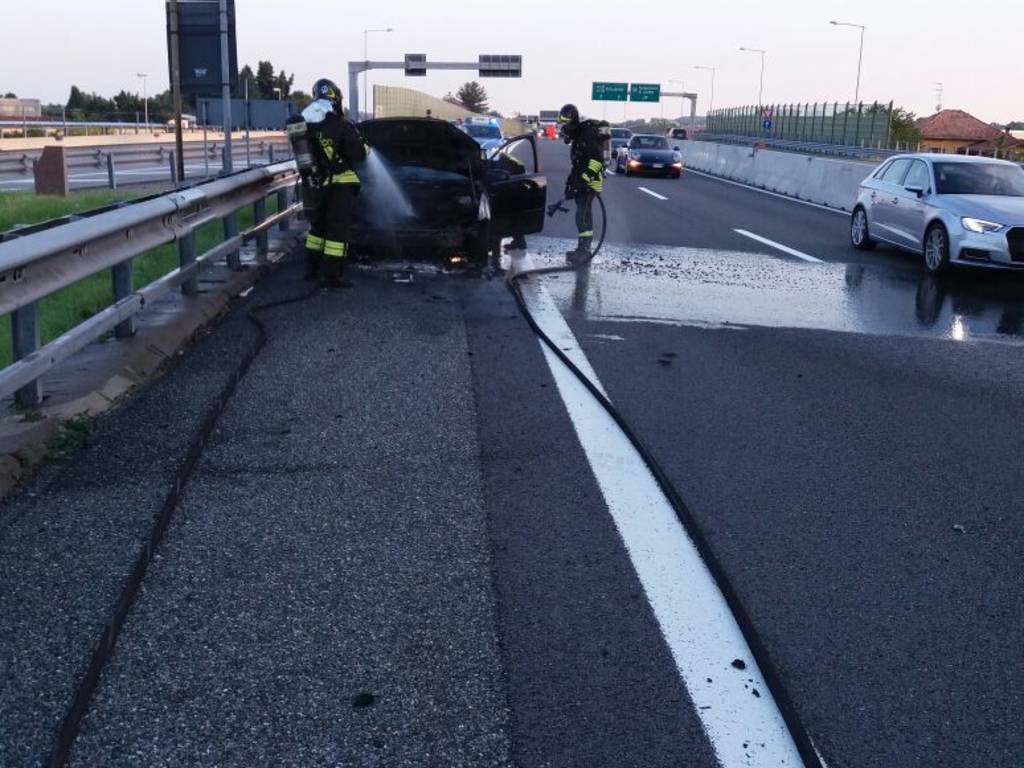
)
(145, 98)
(366, 57)
(860, 54)
(712, 70)
(760, 91)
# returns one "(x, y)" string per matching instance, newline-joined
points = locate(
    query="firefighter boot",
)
(312, 265)
(581, 255)
(334, 274)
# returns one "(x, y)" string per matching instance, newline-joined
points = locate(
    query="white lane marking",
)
(652, 194)
(744, 728)
(779, 246)
(768, 192)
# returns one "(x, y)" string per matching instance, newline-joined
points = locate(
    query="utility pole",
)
(145, 97)
(760, 91)
(860, 55)
(225, 79)
(712, 70)
(366, 57)
(176, 85)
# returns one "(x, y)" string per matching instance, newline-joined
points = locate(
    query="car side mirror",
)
(919, 191)
(676, 149)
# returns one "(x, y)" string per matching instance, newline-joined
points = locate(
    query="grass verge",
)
(67, 308)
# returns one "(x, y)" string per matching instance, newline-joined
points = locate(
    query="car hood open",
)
(423, 142)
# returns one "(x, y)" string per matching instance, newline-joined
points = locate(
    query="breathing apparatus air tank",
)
(298, 137)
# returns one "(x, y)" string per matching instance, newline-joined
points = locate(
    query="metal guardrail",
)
(868, 154)
(36, 265)
(21, 163)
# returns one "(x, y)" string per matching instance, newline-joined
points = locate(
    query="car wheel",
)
(860, 236)
(936, 249)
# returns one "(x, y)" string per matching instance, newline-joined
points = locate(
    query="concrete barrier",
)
(820, 180)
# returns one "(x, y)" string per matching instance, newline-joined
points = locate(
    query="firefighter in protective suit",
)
(586, 176)
(336, 148)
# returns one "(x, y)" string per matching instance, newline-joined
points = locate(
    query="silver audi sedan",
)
(950, 209)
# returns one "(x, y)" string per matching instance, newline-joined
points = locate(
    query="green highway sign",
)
(644, 92)
(609, 91)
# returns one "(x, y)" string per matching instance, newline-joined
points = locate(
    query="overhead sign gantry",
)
(416, 65)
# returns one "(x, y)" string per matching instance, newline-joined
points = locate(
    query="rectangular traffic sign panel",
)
(501, 66)
(644, 92)
(413, 62)
(609, 91)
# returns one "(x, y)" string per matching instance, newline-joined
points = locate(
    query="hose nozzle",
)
(556, 207)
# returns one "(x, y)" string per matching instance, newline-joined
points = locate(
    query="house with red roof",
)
(954, 131)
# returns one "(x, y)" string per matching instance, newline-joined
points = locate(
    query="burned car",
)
(429, 190)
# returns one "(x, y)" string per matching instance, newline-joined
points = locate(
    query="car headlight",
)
(676, 157)
(979, 225)
(634, 155)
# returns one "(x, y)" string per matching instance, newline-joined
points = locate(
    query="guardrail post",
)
(25, 341)
(111, 172)
(270, 154)
(122, 283)
(186, 256)
(230, 231)
(174, 166)
(259, 210)
(282, 204)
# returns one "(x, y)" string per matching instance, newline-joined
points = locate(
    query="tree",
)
(1016, 125)
(10, 95)
(285, 83)
(904, 127)
(301, 99)
(266, 80)
(247, 78)
(473, 96)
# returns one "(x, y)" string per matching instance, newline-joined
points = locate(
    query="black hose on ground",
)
(103, 650)
(772, 677)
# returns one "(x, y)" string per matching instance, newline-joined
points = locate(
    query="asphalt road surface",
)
(413, 539)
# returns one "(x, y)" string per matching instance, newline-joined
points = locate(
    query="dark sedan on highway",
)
(650, 155)
(950, 209)
(429, 190)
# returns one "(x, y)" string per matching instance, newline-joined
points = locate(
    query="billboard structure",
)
(200, 47)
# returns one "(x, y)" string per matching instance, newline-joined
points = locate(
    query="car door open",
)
(517, 191)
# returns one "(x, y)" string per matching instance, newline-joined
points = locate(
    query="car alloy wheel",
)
(859, 235)
(936, 249)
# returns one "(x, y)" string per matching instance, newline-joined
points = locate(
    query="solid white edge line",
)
(695, 621)
(652, 194)
(779, 246)
(768, 192)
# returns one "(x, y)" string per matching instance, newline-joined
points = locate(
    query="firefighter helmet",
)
(326, 89)
(569, 114)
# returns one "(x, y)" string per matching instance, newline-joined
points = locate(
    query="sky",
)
(972, 49)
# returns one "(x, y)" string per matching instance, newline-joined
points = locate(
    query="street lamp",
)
(860, 55)
(366, 57)
(712, 70)
(760, 92)
(145, 98)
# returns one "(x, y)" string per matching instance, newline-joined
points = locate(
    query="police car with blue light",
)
(485, 131)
